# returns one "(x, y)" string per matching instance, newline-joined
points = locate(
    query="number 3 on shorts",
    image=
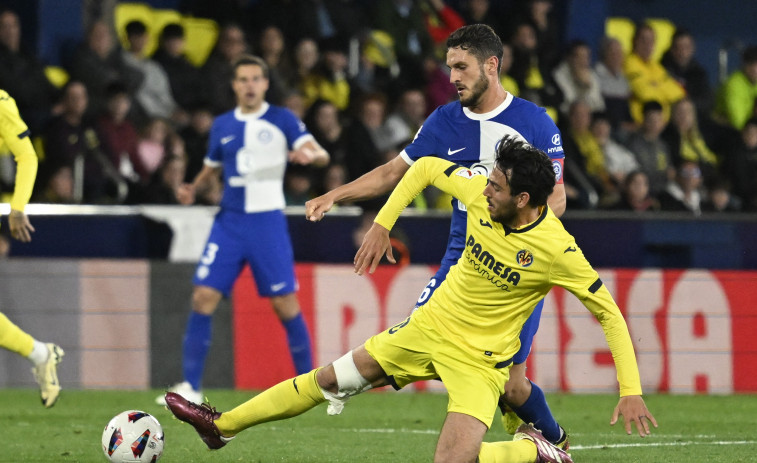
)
(210, 254)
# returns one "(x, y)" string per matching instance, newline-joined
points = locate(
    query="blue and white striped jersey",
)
(456, 134)
(252, 150)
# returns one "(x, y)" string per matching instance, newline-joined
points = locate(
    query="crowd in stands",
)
(639, 134)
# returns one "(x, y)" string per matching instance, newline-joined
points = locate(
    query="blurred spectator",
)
(441, 20)
(438, 88)
(372, 114)
(508, 82)
(634, 195)
(295, 102)
(153, 96)
(306, 58)
(335, 176)
(22, 75)
(71, 140)
(577, 79)
(740, 165)
(737, 96)
(118, 135)
(57, 186)
(686, 142)
(682, 194)
(298, 185)
(403, 20)
(481, 12)
(151, 147)
(648, 79)
(410, 112)
(652, 153)
(538, 14)
(184, 78)
(328, 81)
(165, 181)
(324, 19)
(680, 62)
(97, 63)
(619, 161)
(195, 136)
(719, 197)
(217, 71)
(272, 48)
(534, 81)
(583, 149)
(613, 84)
(348, 143)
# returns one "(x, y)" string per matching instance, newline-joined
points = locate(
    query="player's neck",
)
(490, 100)
(525, 217)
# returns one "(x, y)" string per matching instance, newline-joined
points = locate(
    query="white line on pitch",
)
(658, 444)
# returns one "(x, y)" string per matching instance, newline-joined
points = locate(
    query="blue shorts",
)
(260, 239)
(526, 334)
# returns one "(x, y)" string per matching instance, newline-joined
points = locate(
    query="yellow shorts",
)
(413, 351)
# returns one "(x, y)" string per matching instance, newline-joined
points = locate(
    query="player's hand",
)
(20, 227)
(375, 245)
(316, 208)
(634, 410)
(302, 156)
(186, 194)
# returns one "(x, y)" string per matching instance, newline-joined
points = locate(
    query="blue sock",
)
(536, 411)
(196, 344)
(298, 339)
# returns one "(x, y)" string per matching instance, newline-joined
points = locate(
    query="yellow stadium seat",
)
(622, 29)
(56, 75)
(161, 18)
(124, 13)
(201, 36)
(664, 30)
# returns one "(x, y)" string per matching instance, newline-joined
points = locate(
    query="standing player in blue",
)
(466, 132)
(251, 145)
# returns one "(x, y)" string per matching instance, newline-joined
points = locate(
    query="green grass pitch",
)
(377, 426)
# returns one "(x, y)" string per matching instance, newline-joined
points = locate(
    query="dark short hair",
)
(135, 28)
(749, 56)
(652, 105)
(245, 60)
(172, 31)
(527, 168)
(479, 40)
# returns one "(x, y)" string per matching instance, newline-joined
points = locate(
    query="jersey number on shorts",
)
(210, 254)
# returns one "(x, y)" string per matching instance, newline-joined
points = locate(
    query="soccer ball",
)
(133, 436)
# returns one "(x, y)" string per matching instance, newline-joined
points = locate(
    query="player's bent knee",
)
(205, 300)
(349, 382)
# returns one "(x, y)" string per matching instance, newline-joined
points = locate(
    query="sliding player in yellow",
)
(467, 332)
(14, 135)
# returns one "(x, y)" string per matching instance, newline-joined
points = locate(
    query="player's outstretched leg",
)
(545, 450)
(46, 374)
(534, 410)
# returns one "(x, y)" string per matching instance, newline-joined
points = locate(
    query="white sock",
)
(39, 353)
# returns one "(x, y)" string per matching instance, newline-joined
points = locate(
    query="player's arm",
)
(374, 183)
(448, 177)
(186, 192)
(557, 200)
(16, 136)
(573, 272)
(309, 152)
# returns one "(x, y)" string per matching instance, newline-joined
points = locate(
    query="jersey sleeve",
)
(425, 142)
(573, 272)
(294, 129)
(214, 157)
(15, 134)
(548, 138)
(458, 181)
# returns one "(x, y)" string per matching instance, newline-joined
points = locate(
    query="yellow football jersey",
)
(14, 135)
(502, 273)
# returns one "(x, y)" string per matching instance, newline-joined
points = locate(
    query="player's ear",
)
(523, 199)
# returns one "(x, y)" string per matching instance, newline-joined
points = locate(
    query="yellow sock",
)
(14, 338)
(287, 399)
(519, 451)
